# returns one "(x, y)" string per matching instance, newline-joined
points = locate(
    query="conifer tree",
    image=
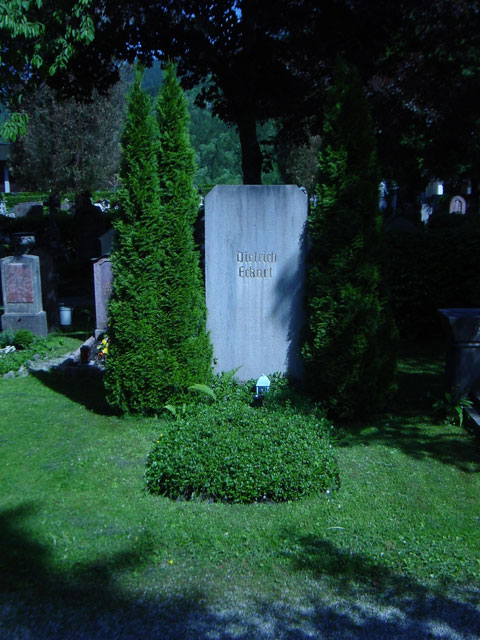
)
(187, 349)
(151, 357)
(349, 347)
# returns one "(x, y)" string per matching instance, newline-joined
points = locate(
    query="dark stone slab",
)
(462, 330)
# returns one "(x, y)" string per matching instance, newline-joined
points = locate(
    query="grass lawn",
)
(86, 553)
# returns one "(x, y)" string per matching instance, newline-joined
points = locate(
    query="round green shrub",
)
(235, 453)
(23, 339)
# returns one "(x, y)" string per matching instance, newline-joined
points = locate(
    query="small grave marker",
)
(458, 205)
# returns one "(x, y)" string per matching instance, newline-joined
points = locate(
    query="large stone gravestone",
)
(103, 280)
(255, 272)
(22, 295)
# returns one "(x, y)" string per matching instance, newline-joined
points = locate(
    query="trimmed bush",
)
(23, 339)
(135, 371)
(185, 342)
(235, 453)
(157, 315)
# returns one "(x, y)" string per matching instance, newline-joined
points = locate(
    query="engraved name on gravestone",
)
(103, 281)
(22, 294)
(255, 272)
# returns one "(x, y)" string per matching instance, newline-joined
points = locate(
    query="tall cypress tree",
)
(349, 347)
(151, 357)
(187, 346)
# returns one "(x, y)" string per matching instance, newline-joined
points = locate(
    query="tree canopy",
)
(266, 60)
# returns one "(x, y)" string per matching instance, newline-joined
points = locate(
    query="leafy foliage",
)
(348, 347)
(158, 342)
(23, 339)
(6, 338)
(233, 452)
(69, 145)
(451, 411)
(217, 148)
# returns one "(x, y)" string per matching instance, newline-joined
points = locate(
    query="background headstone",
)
(106, 241)
(22, 295)
(458, 205)
(30, 209)
(103, 280)
(255, 271)
(89, 224)
(49, 283)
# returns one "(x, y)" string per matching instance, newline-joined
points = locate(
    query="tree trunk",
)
(251, 154)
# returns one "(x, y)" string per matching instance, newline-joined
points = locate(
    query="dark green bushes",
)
(437, 268)
(235, 453)
(349, 346)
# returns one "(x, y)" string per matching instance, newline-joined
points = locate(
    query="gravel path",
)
(187, 618)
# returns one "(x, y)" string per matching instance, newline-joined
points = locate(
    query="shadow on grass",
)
(40, 601)
(87, 390)
(447, 444)
(369, 601)
(410, 424)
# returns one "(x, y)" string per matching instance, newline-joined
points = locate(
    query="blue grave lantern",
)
(263, 385)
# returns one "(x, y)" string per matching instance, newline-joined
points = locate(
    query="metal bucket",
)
(65, 316)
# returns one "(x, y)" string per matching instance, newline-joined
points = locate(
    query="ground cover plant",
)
(18, 347)
(87, 552)
(227, 450)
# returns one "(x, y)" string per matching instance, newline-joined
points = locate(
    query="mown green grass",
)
(77, 525)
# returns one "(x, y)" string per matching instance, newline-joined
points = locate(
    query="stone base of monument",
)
(34, 322)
